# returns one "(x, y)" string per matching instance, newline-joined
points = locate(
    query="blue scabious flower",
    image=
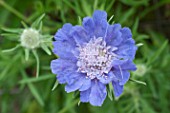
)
(92, 56)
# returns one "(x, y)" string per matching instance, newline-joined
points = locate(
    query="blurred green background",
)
(22, 92)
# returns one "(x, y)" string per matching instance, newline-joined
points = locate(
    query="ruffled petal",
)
(75, 85)
(110, 77)
(127, 49)
(121, 75)
(63, 34)
(126, 33)
(127, 65)
(118, 62)
(101, 24)
(61, 65)
(89, 26)
(114, 36)
(98, 93)
(64, 50)
(80, 35)
(86, 84)
(61, 78)
(118, 89)
(84, 95)
(99, 15)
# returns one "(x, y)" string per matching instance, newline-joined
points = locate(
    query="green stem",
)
(38, 63)
(14, 11)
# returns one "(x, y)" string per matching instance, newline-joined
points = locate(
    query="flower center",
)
(30, 38)
(95, 58)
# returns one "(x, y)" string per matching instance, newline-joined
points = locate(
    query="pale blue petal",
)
(84, 95)
(99, 15)
(64, 50)
(118, 89)
(127, 49)
(63, 34)
(110, 77)
(80, 35)
(86, 84)
(89, 26)
(75, 85)
(61, 65)
(98, 93)
(121, 75)
(114, 36)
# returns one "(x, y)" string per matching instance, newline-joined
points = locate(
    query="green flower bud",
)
(141, 69)
(30, 38)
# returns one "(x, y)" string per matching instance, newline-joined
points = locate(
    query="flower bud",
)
(30, 38)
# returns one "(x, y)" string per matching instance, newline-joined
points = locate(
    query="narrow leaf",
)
(55, 85)
(27, 52)
(12, 49)
(46, 49)
(139, 82)
(38, 63)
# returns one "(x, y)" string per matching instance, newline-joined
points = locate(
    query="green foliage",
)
(22, 92)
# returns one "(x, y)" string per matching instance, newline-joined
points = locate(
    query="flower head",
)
(92, 56)
(30, 38)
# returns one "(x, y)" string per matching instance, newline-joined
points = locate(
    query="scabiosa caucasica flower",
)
(92, 56)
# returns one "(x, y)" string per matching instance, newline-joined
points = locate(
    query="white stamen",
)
(95, 58)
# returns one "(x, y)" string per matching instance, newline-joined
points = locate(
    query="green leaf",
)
(46, 49)
(38, 63)
(24, 24)
(55, 85)
(139, 44)
(86, 7)
(110, 91)
(158, 53)
(36, 23)
(12, 49)
(79, 20)
(110, 4)
(137, 81)
(135, 26)
(27, 52)
(41, 78)
(110, 18)
(126, 15)
(135, 2)
(33, 89)
(12, 30)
